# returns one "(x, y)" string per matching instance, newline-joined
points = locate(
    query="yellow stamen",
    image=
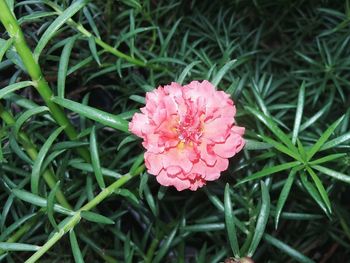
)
(181, 145)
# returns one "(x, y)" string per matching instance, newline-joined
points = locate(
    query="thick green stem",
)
(31, 150)
(33, 68)
(74, 220)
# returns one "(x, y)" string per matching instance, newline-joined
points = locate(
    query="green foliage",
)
(72, 176)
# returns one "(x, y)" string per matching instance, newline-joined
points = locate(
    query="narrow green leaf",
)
(68, 145)
(2, 159)
(328, 158)
(262, 219)
(26, 115)
(143, 183)
(302, 151)
(4, 46)
(11, 4)
(221, 73)
(220, 206)
(39, 201)
(296, 255)
(218, 256)
(161, 192)
(133, 3)
(18, 247)
(299, 112)
(324, 137)
(166, 42)
(18, 150)
(88, 168)
(230, 225)
(130, 138)
(150, 200)
(334, 174)
(320, 188)
(78, 257)
(105, 118)
(14, 57)
(36, 171)
(81, 64)
(123, 37)
(50, 158)
(35, 16)
(91, 21)
(204, 227)
(50, 205)
(23, 102)
(165, 247)
(95, 159)
(63, 66)
(335, 142)
(314, 193)
(309, 60)
(300, 216)
(96, 218)
(127, 248)
(128, 194)
(272, 126)
(93, 50)
(4, 234)
(138, 99)
(5, 210)
(284, 195)
(202, 255)
(281, 148)
(186, 72)
(55, 25)
(92, 244)
(269, 170)
(14, 87)
(253, 145)
(312, 120)
(138, 161)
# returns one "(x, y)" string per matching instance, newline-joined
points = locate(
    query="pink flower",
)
(189, 133)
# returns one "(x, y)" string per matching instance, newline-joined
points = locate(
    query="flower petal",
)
(178, 157)
(153, 163)
(164, 179)
(233, 144)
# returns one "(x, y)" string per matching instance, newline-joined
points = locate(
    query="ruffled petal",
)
(153, 163)
(164, 179)
(233, 144)
(178, 157)
(139, 124)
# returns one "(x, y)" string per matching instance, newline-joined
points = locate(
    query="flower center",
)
(189, 129)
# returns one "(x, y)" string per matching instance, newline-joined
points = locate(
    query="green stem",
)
(31, 150)
(74, 220)
(33, 68)
(119, 54)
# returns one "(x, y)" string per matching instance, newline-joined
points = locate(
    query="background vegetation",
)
(285, 198)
